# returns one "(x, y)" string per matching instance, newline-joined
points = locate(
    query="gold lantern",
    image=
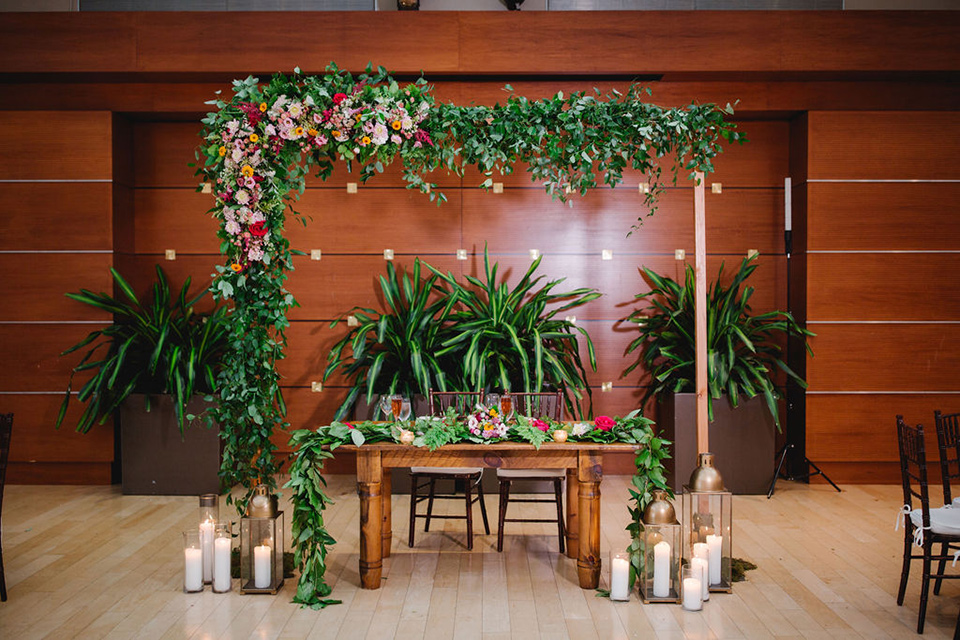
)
(661, 547)
(261, 545)
(707, 522)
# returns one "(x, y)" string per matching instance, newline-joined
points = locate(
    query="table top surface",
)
(552, 447)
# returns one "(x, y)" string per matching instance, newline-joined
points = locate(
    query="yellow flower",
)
(357, 117)
(222, 151)
(298, 131)
(494, 413)
(247, 170)
(365, 140)
(236, 267)
(396, 125)
(254, 137)
(312, 132)
(335, 133)
(263, 107)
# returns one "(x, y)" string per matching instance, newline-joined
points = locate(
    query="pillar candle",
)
(206, 544)
(702, 551)
(661, 570)
(192, 570)
(261, 566)
(221, 565)
(620, 579)
(715, 545)
(691, 594)
(701, 565)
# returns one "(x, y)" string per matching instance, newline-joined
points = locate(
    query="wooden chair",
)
(924, 527)
(536, 405)
(471, 476)
(948, 439)
(6, 430)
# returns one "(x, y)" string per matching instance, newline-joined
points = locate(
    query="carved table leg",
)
(369, 479)
(386, 492)
(588, 556)
(573, 508)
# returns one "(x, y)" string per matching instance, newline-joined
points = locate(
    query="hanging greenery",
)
(259, 144)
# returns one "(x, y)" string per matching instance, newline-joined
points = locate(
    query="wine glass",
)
(405, 409)
(396, 405)
(492, 401)
(506, 407)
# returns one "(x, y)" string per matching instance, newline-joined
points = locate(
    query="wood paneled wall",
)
(882, 283)
(56, 185)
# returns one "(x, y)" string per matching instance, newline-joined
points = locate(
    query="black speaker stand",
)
(782, 454)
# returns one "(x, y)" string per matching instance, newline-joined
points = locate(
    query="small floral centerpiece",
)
(486, 423)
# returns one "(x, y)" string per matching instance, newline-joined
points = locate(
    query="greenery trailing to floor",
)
(739, 568)
(159, 346)
(742, 347)
(313, 448)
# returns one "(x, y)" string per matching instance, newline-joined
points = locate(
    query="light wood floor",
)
(88, 562)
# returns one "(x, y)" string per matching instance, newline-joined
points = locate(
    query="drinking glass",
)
(405, 409)
(506, 407)
(396, 406)
(386, 406)
(492, 401)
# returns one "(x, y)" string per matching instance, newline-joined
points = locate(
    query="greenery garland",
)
(313, 448)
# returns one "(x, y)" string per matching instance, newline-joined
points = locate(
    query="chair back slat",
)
(6, 431)
(948, 441)
(913, 467)
(461, 401)
(547, 404)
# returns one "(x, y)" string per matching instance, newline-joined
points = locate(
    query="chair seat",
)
(532, 474)
(446, 470)
(945, 520)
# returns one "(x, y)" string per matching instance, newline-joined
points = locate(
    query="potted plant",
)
(151, 367)
(743, 353)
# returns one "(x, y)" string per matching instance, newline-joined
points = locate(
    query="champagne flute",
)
(506, 406)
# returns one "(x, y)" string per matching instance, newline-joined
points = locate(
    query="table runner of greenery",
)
(311, 539)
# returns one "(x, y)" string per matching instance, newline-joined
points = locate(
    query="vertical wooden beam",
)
(700, 271)
(369, 479)
(573, 520)
(386, 491)
(589, 475)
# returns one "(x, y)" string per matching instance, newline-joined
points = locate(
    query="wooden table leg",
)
(590, 473)
(573, 508)
(370, 479)
(386, 492)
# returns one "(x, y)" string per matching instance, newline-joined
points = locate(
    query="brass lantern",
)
(261, 545)
(660, 548)
(707, 520)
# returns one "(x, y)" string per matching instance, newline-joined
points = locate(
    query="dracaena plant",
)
(511, 338)
(742, 348)
(160, 346)
(396, 350)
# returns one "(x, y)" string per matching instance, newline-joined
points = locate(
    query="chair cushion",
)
(945, 520)
(532, 474)
(447, 470)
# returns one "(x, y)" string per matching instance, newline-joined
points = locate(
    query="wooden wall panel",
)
(174, 219)
(38, 282)
(59, 472)
(882, 216)
(33, 353)
(35, 436)
(162, 152)
(69, 41)
(308, 344)
(863, 426)
(887, 145)
(864, 286)
(308, 410)
(884, 357)
(140, 272)
(34, 215)
(55, 145)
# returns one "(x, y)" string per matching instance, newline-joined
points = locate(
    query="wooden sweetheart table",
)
(582, 460)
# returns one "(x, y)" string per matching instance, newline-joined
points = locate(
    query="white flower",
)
(242, 197)
(395, 139)
(232, 127)
(295, 109)
(232, 227)
(257, 216)
(237, 155)
(255, 254)
(581, 428)
(380, 134)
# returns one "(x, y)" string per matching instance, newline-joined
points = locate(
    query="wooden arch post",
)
(700, 303)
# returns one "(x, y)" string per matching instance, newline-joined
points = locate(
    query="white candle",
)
(691, 595)
(702, 566)
(620, 579)
(206, 544)
(261, 566)
(221, 564)
(192, 569)
(715, 544)
(661, 569)
(702, 552)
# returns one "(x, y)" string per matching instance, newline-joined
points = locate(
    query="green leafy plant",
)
(511, 338)
(742, 348)
(396, 350)
(161, 346)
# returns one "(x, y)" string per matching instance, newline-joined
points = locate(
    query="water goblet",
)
(492, 401)
(405, 409)
(386, 406)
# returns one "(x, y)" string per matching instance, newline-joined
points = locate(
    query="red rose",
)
(604, 423)
(539, 424)
(339, 97)
(259, 229)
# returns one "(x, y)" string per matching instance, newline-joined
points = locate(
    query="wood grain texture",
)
(55, 145)
(883, 145)
(34, 350)
(91, 473)
(35, 213)
(140, 271)
(859, 286)
(36, 438)
(162, 152)
(308, 346)
(883, 216)
(884, 357)
(175, 219)
(38, 282)
(69, 41)
(863, 428)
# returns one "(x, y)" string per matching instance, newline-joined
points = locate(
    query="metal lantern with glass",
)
(707, 519)
(661, 547)
(261, 545)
